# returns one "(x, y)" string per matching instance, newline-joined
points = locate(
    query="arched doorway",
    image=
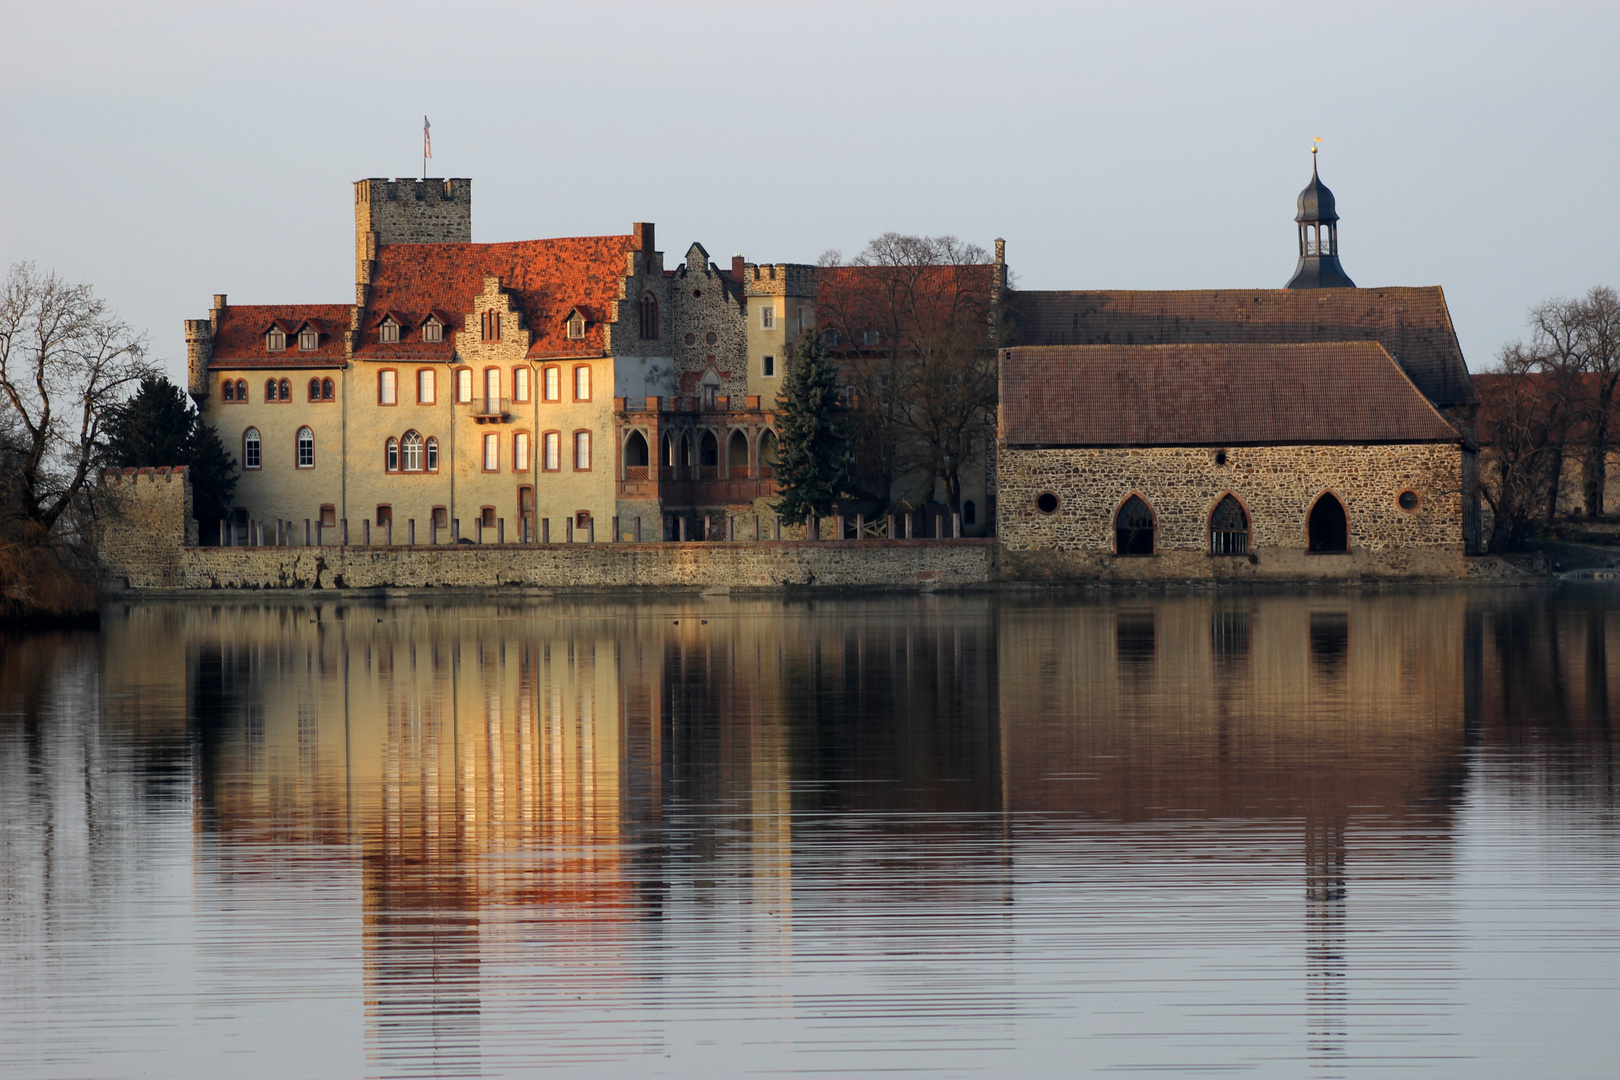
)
(1229, 528)
(1133, 528)
(737, 456)
(635, 456)
(1329, 527)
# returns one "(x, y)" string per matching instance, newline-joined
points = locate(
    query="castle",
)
(512, 392)
(550, 391)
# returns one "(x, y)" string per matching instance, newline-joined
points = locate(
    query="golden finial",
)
(1313, 145)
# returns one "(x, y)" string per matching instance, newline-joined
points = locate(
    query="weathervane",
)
(1314, 146)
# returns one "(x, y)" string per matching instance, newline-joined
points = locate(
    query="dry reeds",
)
(36, 585)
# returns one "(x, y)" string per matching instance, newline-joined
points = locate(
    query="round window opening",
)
(1220, 457)
(711, 337)
(1408, 501)
(696, 293)
(691, 339)
(1046, 502)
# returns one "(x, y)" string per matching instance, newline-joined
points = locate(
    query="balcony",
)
(489, 410)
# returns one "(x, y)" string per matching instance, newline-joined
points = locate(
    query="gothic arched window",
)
(411, 451)
(1133, 528)
(1229, 528)
(306, 448)
(649, 317)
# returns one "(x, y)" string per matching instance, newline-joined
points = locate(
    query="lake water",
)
(1307, 834)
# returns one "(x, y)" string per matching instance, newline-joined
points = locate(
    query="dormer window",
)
(388, 332)
(275, 340)
(433, 330)
(307, 340)
(576, 326)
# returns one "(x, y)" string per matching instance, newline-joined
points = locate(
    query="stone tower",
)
(408, 212)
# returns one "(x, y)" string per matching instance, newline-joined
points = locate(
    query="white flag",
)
(427, 138)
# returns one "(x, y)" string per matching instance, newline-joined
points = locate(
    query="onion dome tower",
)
(1318, 239)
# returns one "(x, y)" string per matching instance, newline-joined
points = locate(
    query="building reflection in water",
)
(513, 784)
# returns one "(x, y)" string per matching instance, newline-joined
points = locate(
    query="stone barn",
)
(1225, 461)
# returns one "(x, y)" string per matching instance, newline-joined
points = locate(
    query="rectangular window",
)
(520, 452)
(328, 516)
(492, 453)
(582, 383)
(582, 451)
(553, 387)
(492, 388)
(387, 387)
(464, 385)
(520, 384)
(432, 331)
(275, 341)
(385, 515)
(767, 317)
(388, 332)
(306, 340)
(551, 449)
(768, 366)
(425, 386)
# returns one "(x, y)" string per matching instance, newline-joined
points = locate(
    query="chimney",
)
(643, 232)
(737, 268)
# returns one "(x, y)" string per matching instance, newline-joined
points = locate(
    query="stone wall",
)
(1277, 487)
(147, 522)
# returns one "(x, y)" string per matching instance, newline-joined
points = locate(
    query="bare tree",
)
(1577, 344)
(911, 318)
(1521, 411)
(65, 362)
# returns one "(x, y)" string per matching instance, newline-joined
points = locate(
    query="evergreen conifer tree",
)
(159, 426)
(812, 471)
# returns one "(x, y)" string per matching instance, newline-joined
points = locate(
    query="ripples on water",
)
(1280, 835)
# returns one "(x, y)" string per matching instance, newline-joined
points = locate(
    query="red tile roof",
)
(1212, 395)
(926, 300)
(239, 339)
(546, 279)
(1412, 323)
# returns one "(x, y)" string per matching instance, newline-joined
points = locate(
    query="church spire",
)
(1318, 238)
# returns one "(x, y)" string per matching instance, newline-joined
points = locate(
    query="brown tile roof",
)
(239, 339)
(546, 279)
(1412, 323)
(1212, 395)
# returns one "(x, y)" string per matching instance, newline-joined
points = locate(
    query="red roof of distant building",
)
(545, 279)
(1212, 395)
(1412, 323)
(239, 341)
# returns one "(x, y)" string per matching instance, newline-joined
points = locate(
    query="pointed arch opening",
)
(708, 456)
(737, 456)
(1229, 528)
(635, 456)
(767, 454)
(1133, 527)
(1328, 525)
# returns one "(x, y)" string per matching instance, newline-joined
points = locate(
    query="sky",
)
(166, 151)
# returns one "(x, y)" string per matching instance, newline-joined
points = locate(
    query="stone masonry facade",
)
(1277, 485)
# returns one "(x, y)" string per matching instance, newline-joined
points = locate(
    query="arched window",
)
(275, 340)
(708, 450)
(411, 452)
(269, 389)
(425, 388)
(520, 451)
(686, 451)
(520, 384)
(737, 456)
(314, 389)
(432, 454)
(326, 390)
(391, 457)
(649, 317)
(552, 383)
(284, 389)
(492, 453)
(582, 382)
(1229, 528)
(306, 448)
(767, 454)
(241, 389)
(464, 385)
(635, 455)
(492, 389)
(251, 448)
(551, 451)
(582, 451)
(227, 392)
(668, 458)
(1133, 528)
(1328, 526)
(387, 387)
